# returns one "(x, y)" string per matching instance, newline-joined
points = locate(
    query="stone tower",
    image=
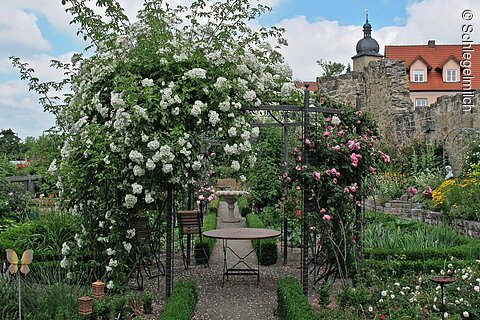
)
(367, 49)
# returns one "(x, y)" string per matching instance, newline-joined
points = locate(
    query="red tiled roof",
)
(436, 56)
(312, 85)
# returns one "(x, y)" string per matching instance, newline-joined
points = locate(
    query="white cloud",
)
(19, 32)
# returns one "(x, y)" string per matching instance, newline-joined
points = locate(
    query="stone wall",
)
(383, 90)
(410, 210)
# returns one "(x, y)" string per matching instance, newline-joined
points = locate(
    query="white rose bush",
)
(141, 104)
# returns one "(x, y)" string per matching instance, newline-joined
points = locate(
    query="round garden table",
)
(240, 267)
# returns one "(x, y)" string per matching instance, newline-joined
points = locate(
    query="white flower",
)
(195, 73)
(149, 198)
(232, 132)
(384, 293)
(69, 275)
(113, 147)
(150, 164)
(336, 120)
(130, 201)
(136, 188)
(476, 288)
(287, 88)
(153, 145)
(110, 251)
(235, 165)
(224, 106)
(197, 108)
(138, 171)
(221, 83)
(147, 82)
(108, 268)
(466, 314)
(167, 168)
(65, 248)
(250, 95)
(116, 99)
(141, 112)
(127, 246)
(196, 165)
(213, 117)
(245, 135)
(255, 132)
(243, 178)
(110, 285)
(136, 156)
(130, 233)
(176, 111)
(53, 167)
(370, 309)
(64, 263)
(113, 263)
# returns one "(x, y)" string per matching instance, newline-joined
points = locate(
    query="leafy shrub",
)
(182, 302)
(266, 249)
(292, 303)
(353, 296)
(14, 200)
(270, 216)
(207, 244)
(213, 205)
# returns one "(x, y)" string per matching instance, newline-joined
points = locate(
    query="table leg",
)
(225, 267)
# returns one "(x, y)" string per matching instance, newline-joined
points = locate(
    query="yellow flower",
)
(438, 195)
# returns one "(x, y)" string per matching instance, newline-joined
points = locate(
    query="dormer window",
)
(418, 75)
(451, 75)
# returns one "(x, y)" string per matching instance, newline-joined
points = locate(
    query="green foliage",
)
(6, 168)
(15, 201)
(244, 206)
(270, 216)
(10, 145)
(147, 302)
(354, 296)
(207, 244)
(213, 206)
(292, 303)
(331, 69)
(182, 302)
(266, 249)
(114, 306)
(263, 180)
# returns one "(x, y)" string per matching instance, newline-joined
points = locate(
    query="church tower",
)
(367, 49)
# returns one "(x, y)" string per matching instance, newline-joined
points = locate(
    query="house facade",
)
(438, 70)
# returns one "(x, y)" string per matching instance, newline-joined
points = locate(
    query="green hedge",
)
(267, 250)
(469, 251)
(209, 223)
(212, 206)
(292, 303)
(182, 302)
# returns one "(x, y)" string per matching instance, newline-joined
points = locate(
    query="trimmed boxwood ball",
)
(266, 249)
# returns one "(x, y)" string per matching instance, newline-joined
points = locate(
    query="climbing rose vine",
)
(142, 104)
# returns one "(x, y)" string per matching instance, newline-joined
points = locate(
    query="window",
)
(418, 75)
(421, 102)
(451, 75)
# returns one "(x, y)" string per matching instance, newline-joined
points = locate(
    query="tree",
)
(330, 68)
(11, 145)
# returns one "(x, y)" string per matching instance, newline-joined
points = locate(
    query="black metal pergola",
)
(306, 110)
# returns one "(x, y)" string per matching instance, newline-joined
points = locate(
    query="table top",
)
(242, 233)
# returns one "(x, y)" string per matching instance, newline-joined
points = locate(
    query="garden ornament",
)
(23, 263)
(449, 172)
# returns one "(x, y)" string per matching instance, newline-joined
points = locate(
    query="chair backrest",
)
(190, 222)
(141, 228)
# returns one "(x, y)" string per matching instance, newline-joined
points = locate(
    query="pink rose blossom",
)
(346, 190)
(298, 168)
(295, 150)
(323, 210)
(316, 175)
(326, 133)
(341, 133)
(335, 181)
(201, 197)
(336, 148)
(328, 119)
(327, 217)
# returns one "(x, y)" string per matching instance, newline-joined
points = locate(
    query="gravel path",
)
(239, 298)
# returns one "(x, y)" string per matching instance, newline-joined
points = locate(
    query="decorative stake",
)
(85, 305)
(27, 258)
(98, 289)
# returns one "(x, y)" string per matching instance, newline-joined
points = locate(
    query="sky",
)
(38, 31)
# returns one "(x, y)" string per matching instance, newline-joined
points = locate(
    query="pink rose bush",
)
(335, 177)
